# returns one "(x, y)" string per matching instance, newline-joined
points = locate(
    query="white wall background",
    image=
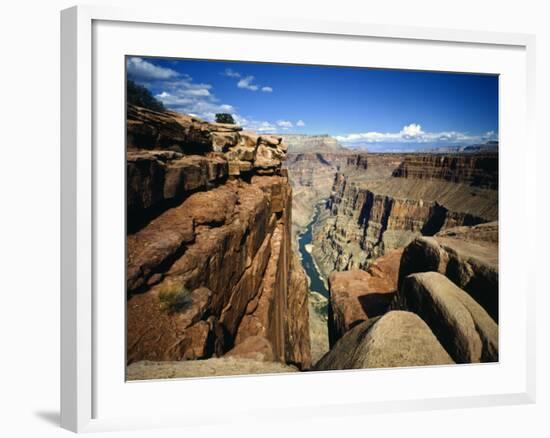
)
(29, 216)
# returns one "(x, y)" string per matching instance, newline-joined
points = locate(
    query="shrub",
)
(225, 118)
(173, 297)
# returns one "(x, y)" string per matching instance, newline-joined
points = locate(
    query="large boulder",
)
(462, 326)
(397, 339)
(471, 264)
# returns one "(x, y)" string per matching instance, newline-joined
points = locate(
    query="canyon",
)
(210, 271)
(255, 253)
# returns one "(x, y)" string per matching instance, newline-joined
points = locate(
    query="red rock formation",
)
(358, 295)
(479, 169)
(472, 264)
(212, 251)
(364, 218)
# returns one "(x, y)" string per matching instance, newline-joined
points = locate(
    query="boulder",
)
(462, 326)
(471, 265)
(397, 339)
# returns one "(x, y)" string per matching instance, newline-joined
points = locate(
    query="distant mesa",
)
(301, 143)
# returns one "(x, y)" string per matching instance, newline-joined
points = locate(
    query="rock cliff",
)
(209, 262)
(372, 210)
(475, 169)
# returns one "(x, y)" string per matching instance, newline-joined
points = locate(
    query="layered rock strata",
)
(211, 270)
(172, 155)
(474, 169)
(365, 218)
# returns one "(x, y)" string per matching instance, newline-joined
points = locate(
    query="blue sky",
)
(375, 108)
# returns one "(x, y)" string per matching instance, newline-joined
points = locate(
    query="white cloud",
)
(246, 83)
(231, 73)
(414, 133)
(144, 70)
(285, 124)
(411, 131)
(300, 123)
(185, 96)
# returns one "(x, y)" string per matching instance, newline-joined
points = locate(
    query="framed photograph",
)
(305, 218)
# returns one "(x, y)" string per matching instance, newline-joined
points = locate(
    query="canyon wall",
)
(381, 205)
(312, 162)
(210, 271)
(474, 169)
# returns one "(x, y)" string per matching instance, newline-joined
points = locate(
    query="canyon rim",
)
(296, 218)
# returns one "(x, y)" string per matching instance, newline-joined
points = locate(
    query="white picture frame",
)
(82, 319)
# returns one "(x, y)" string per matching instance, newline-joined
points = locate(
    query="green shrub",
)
(225, 118)
(173, 297)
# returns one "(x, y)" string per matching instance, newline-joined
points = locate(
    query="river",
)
(316, 282)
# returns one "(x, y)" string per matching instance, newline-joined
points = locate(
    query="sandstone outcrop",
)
(358, 295)
(223, 366)
(397, 339)
(171, 155)
(471, 264)
(461, 325)
(209, 262)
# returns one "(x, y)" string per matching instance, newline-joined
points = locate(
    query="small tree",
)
(139, 95)
(225, 118)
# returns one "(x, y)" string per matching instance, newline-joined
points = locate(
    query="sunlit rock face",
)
(379, 206)
(209, 261)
